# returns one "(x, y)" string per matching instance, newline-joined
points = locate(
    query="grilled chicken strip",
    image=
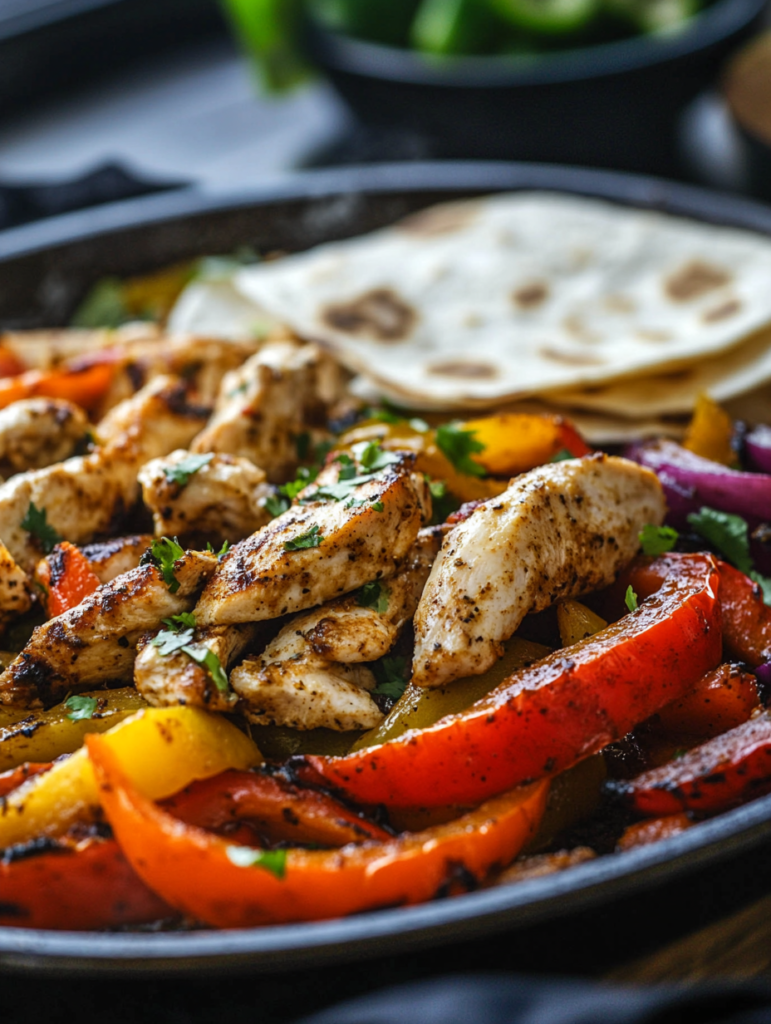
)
(223, 499)
(309, 675)
(557, 532)
(37, 432)
(264, 406)
(50, 348)
(15, 588)
(111, 558)
(320, 549)
(87, 495)
(95, 642)
(176, 678)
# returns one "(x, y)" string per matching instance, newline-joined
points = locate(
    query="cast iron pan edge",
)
(449, 921)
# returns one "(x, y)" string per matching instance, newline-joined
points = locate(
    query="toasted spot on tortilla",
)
(463, 368)
(722, 312)
(571, 358)
(694, 280)
(619, 304)
(528, 296)
(651, 334)
(379, 312)
(439, 220)
(576, 328)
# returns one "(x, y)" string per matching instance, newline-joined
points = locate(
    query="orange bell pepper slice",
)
(517, 442)
(76, 887)
(550, 715)
(710, 432)
(643, 833)
(200, 874)
(67, 577)
(84, 385)
(12, 779)
(721, 700)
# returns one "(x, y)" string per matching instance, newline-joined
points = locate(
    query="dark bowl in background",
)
(747, 92)
(612, 105)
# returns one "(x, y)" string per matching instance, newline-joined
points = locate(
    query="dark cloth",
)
(106, 184)
(511, 999)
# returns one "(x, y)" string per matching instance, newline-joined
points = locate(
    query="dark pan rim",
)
(464, 917)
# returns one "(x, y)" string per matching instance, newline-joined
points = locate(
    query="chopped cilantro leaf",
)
(81, 708)
(438, 488)
(458, 445)
(304, 477)
(222, 551)
(165, 553)
(273, 861)
(277, 504)
(384, 416)
(378, 506)
(373, 595)
(347, 467)
(176, 622)
(562, 456)
(168, 641)
(631, 599)
(727, 532)
(36, 523)
(311, 539)
(181, 472)
(657, 540)
(391, 676)
(205, 657)
(373, 457)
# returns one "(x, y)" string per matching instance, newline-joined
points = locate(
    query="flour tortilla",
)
(729, 375)
(471, 304)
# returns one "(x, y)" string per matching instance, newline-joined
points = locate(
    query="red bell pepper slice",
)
(273, 806)
(721, 700)
(550, 715)
(643, 833)
(76, 887)
(12, 779)
(68, 578)
(721, 773)
(199, 873)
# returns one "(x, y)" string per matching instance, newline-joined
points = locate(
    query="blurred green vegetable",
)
(551, 17)
(452, 26)
(268, 29)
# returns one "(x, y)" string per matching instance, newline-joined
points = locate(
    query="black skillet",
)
(625, 903)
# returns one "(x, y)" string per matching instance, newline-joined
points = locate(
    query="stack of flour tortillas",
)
(617, 316)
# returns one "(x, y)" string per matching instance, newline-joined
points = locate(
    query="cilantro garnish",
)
(189, 466)
(169, 641)
(631, 599)
(562, 455)
(444, 504)
(277, 504)
(378, 506)
(165, 553)
(177, 622)
(347, 467)
(729, 533)
(311, 539)
(391, 676)
(373, 456)
(657, 540)
(222, 551)
(373, 595)
(81, 708)
(458, 445)
(204, 656)
(273, 861)
(36, 523)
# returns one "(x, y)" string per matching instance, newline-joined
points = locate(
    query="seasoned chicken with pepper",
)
(15, 587)
(95, 642)
(559, 531)
(342, 532)
(87, 495)
(265, 407)
(111, 558)
(171, 676)
(37, 432)
(221, 496)
(312, 675)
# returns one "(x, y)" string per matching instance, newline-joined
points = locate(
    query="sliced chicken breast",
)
(15, 588)
(320, 548)
(111, 558)
(37, 432)
(95, 642)
(558, 531)
(267, 404)
(224, 498)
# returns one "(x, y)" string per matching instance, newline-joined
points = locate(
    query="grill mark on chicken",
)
(94, 642)
(260, 579)
(558, 531)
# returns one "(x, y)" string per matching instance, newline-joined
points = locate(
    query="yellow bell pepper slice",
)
(46, 735)
(577, 622)
(164, 749)
(710, 432)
